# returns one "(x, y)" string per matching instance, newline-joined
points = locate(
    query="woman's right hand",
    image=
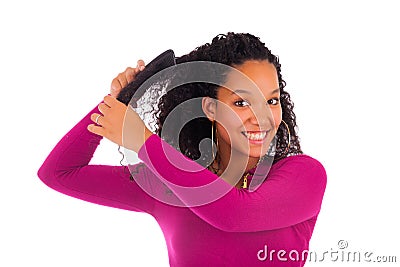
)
(125, 77)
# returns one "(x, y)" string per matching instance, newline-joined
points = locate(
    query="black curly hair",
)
(231, 49)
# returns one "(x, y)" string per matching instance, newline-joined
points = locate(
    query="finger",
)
(95, 117)
(126, 77)
(115, 86)
(111, 101)
(130, 74)
(102, 121)
(136, 71)
(103, 108)
(122, 79)
(140, 64)
(95, 129)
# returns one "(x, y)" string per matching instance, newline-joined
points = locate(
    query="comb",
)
(162, 61)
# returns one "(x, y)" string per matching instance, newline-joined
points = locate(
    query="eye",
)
(241, 103)
(273, 101)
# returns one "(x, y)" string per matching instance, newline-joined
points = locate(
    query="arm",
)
(291, 194)
(66, 170)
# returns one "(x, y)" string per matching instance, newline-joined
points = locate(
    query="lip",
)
(256, 141)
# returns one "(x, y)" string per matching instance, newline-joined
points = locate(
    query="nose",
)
(262, 116)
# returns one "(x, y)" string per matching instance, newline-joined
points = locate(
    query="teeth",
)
(255, 136)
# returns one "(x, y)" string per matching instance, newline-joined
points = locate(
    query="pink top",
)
(270, 226)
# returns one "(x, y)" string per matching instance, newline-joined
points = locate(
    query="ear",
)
(209, 106)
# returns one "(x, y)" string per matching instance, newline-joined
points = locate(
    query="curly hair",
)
(230, 49)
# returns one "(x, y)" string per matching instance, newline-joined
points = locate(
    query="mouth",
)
(255, 136)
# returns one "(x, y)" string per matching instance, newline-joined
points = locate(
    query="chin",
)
(256, 155)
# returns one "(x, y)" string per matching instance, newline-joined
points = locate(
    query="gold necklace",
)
(216, 170)
(244, 185)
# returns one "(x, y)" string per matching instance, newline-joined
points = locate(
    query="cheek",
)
(277, 114)
(223, 134)
(229, 126)
(229, 119)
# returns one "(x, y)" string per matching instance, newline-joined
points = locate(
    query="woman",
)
(208, 215)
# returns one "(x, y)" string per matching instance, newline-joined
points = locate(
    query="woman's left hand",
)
(119, 124)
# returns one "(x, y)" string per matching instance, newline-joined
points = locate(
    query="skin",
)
(111, 123)
(125, 77)
(241, 107)
(245, 107)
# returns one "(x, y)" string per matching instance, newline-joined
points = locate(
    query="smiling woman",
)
(247, 119)
(209, 214)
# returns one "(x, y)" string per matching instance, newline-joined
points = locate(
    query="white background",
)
(57, 59)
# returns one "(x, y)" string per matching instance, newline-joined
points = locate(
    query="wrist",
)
(136, 145)
(147, 134)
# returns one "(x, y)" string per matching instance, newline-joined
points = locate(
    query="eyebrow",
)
(242, 91)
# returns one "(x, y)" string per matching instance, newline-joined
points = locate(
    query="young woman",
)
(206, 210)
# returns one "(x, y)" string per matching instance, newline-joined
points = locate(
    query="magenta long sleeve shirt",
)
(270, 226)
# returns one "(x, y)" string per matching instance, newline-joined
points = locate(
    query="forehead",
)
(259, 78)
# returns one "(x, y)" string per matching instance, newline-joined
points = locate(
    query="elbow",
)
(225, 225)
(235, 228)
(43, 173)
(225, 228)
(47, 175)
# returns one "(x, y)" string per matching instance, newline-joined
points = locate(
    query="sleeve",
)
(66, 170)
(292, 192)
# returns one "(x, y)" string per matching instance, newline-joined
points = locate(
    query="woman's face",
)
(248, 111)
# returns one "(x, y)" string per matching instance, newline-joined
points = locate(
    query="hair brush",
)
(162, 61)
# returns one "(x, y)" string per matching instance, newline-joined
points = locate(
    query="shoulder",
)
(302, 161)
(304, 167)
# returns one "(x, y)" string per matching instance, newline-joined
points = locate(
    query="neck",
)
(234, 166)
(250, 163)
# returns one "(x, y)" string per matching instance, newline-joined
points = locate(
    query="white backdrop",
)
(57, 59)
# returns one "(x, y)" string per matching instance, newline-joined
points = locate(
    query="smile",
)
(255, 135)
